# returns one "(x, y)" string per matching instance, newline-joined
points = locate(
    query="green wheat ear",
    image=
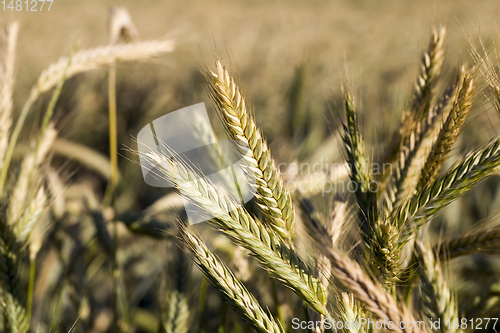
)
(233, 292)
(437, 299)
(451, 128)
(469, 171)
(432, 62)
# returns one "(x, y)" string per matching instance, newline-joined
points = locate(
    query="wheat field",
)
(367, 134)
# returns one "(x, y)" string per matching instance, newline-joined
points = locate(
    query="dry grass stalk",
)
(412, 158)
(274, 198)
(275, 255)
(332, 229)
(233, 291)
(7, 80)
(438, 302)
(451, 129)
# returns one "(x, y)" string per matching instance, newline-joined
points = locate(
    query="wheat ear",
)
(274, 198)
(28, 178)
(472, 169)
(234, 293)
(359, 173)
(11, 294)
(7, 80)
(376, 300)
(438, 302)
(450, 130)
(407, 171)
(378, 237)
(82, 61)
(276, 255)
(432, 62)
(332, 229)
(480, 241)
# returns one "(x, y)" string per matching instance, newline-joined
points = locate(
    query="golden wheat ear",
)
(272, 195)
(432, 62)
(451, 128)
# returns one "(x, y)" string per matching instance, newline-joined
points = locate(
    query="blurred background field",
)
(290, 58)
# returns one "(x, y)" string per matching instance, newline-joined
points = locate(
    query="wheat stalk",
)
(379, 237)
(281, 260)
(274, 198)
(350, 312)
(121, 26)
(234, 293)
(438, 302)
(432, 62)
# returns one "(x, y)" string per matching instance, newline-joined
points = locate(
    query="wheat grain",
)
(29, 176)
(87, 60)
(359, 173)
(408, 169)
(11, 293)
